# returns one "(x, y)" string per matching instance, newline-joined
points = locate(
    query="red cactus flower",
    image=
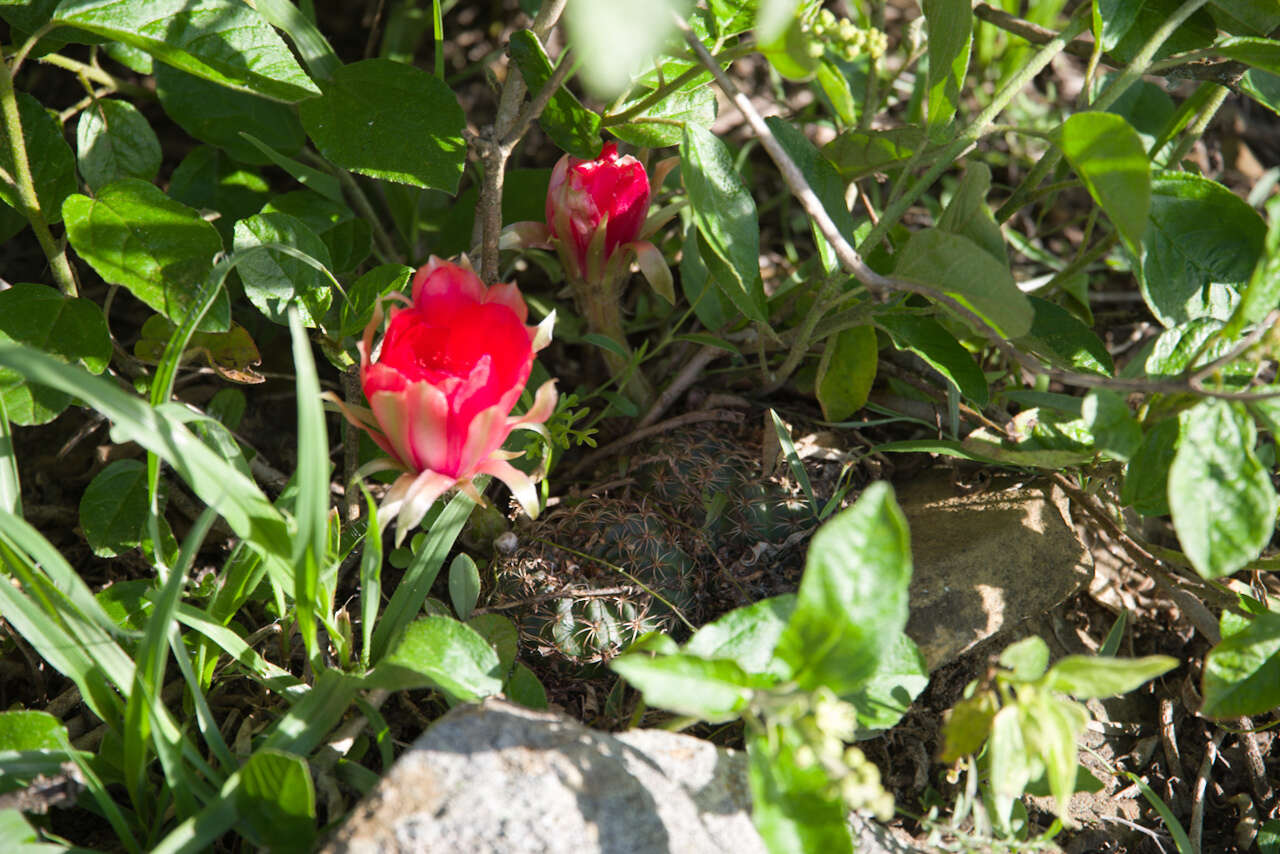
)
(611, 190)
(450, 367)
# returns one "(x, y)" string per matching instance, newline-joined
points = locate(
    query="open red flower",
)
(450, 367)
(611, 191)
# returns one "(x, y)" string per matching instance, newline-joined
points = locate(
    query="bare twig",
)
(688, 376)
(1196, 832)
(661, 427)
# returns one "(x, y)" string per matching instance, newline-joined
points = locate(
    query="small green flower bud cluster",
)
(844, 38)
(829, 723)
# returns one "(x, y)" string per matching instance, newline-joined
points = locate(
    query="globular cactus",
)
(699, 505)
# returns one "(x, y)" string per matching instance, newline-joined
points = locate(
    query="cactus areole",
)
(441, 385)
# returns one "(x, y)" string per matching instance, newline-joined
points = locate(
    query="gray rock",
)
(500, 778)
(986, 560)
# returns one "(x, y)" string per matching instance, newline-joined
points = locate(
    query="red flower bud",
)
(582, 193)
(449, 369)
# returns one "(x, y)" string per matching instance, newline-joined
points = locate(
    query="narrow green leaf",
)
(570, 125)
(950, 34)
(1086, 676)
(221, 40)
(113, 141)
(726, 218)
(1109, 157)
(134, 235)
(931, 341)
(301, 30)
(313, 179)
(311, 507)
(1220, 495)
(391, 121)
(10, 484)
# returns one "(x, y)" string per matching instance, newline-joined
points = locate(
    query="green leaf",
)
(966, 272)
(113, 509)
(1087, 676)
(968, 215)
(273, 280)
(1113, 427)
(1112, 19)
(793, 804)
(208, 179)
(662, 124)
(1146, 479)
(501, 634)
(615, 40)
(524, 688)
(464, 585)
(217, 115)
(1059, 335)
(746, 635)
(1052, 728)
(322, 183)
(440, 652)
(570, 125)
(1196, 32)
(1242, 673)
(357, 310)
(1262, 294)
(114, 141)
(1202, 241)
(31, 730)
(70, 328)
(1194, 343)
(898, 679)
(135, 236)
(53, 166)
(967, 726)
(835, 85)
(1109, 157)
(221, 40)
(391, 121)
(931, 341)
(709, 689)
(276, 799)
(852, 601)
(859, 153)
(1220, 495)
(825, 181)
(950, 33)
(1259, 53)
(726, 218)
(846, 372)
(1026, 660)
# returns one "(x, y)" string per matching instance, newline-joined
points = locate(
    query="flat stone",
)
(497, 778)
(986, 559)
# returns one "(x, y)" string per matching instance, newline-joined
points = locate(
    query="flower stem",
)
(24, 183)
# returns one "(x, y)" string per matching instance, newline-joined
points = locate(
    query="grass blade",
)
(311, 508)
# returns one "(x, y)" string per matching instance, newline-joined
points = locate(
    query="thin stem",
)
(1131, 74)
(24, 183)
(870, 105)
(382, 245)
(727, 55)
(97, 75)
(804, 337)
(970, 135)
(437, 25)
(1216, 97)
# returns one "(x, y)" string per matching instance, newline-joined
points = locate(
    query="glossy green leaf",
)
(708, 689)
(440, 652)
(357, 310)
(1108, 155)
(53, 166)
(1254, 52)
(113, 509)
(1113, 427)
(1202, 241)
(1060, 336)
(662, 124)
(846, 372)
(1195, 343)
(217, 115)
(464, 585)
(135, 236)
(391, 121)
(276, 799)
(859, 153)
(950, 33)
(272, 280)
(1257, 16)
(966, 272)
(930, 340)
(221, 40)
(570, 125)
(1221, 498)
(835, 85)
(1112, 19)
(114, 141)
(726, 218)
(21, 729)
(746, 635)
(852, 601)
(1146, 479)
(1242, 673)
(1086, 676)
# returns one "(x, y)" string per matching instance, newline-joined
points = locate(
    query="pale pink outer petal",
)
(542, 334)
(394, 499)
(419, 497)
(544, 405)
(428, 428)
(521, 485)
(364, 419)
